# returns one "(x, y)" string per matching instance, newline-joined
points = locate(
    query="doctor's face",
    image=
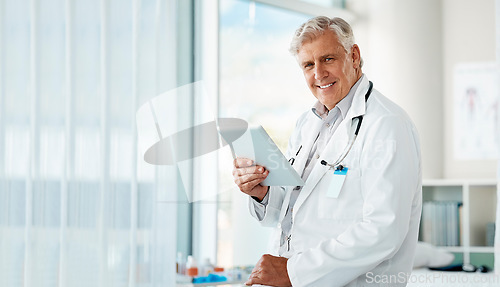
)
(329, 70)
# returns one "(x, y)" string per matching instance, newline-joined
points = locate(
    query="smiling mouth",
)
(326, 86)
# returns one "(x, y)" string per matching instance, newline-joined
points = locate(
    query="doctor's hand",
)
(270, 271)
(249, 176)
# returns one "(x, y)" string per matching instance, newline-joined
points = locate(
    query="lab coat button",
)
(327, 125)
(279, 225)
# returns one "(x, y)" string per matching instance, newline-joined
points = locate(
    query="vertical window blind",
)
(78, 205)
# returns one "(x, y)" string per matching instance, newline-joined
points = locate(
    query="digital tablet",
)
(255, 144)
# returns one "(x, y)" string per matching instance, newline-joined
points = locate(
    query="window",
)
(261, 83)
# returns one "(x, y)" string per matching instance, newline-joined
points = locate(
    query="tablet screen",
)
(256, 145)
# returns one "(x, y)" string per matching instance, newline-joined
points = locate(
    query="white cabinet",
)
(478, 210)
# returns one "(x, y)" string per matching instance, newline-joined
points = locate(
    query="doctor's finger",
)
(241, 179)
(253, 280)
(255, 277)
(257, 169)
(250, 185)
(249, 178)
(242, 162)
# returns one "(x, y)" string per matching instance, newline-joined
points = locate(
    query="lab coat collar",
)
(358, 106)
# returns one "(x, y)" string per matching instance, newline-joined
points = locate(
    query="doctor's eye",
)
(308, 65)
(329, 59)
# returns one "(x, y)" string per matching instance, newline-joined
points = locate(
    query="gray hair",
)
(317, 26)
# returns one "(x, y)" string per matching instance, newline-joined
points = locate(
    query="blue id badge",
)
(337, 182)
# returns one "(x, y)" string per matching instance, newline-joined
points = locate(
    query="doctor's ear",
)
(355, 55)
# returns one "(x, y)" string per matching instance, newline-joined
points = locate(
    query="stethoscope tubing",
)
(351, 142)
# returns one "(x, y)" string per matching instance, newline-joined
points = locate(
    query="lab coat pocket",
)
(349, 202)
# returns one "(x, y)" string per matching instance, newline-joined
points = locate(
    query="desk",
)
(419, 278)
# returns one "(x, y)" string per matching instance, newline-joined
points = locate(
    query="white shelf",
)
(472, 249)
(456, 249)
(478, 197)
(482, 249)
(459, 182)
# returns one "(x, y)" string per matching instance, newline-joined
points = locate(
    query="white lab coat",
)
(368, 234)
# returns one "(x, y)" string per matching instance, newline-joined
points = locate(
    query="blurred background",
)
(78, 204)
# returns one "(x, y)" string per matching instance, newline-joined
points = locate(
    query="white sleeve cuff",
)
(260, 207)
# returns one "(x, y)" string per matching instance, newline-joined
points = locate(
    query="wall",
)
(468, 36)
(401, 44)
(410, 49)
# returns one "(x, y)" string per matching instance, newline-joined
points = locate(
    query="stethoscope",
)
(336, 165)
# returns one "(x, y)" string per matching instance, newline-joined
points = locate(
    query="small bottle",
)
(218, 269)
(206, 268)
(237, 273)
(181, 264)
(191, 268)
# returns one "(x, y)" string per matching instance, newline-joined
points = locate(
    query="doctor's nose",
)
(320, 72)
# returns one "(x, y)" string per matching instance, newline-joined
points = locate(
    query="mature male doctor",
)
(356, 219)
